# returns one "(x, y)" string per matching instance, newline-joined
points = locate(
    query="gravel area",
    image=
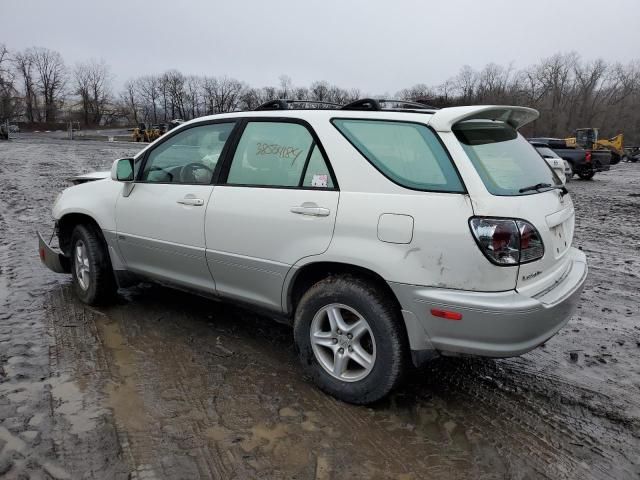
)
(168, 385)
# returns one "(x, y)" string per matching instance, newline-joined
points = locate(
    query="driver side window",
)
(188, 157)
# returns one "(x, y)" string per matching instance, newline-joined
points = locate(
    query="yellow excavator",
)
(142, 133)
(588, 138)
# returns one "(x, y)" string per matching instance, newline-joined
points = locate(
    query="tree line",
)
(37, 86)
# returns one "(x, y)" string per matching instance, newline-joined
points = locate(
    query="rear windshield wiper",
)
(548, 186)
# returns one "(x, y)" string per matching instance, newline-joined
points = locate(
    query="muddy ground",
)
(168, 385)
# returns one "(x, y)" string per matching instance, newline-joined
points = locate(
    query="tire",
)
(586, 175)
(385, 340)
(570, 174)
(91, 271)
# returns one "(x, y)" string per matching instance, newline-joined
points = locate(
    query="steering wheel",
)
(187, 173)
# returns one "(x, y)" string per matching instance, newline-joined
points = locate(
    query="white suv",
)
(385, 236)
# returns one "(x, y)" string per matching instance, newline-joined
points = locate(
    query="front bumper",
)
(500, 324)
(52, 258)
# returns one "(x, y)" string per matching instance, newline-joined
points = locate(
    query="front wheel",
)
(91, 271)
(351, 339)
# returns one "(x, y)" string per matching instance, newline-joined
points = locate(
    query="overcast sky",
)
(377, 46)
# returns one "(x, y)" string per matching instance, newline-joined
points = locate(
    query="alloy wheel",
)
(342, 342)
(82, 265)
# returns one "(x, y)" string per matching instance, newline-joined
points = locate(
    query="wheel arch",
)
(309, 274)
(68, 222)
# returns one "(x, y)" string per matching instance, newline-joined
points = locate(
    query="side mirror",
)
(122, 170)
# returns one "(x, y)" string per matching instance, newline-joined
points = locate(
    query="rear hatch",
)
(519, 185)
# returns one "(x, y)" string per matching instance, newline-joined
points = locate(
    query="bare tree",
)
(223, 94)
(286, 86)
(92, 83)
(149, 88)
(193, 92)
(568, 92)
(417, 93)
(8, 94)
(174, 83)
(465, 84)
(24, 66)
(130, 104)
(555, 74)
(52, 77)
(319, 91)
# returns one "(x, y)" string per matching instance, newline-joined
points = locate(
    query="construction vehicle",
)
(142, 133)
(588, 139)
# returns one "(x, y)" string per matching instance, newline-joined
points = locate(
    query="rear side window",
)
(317, 174)
(271, 154)
(409, 154)
(505, 161)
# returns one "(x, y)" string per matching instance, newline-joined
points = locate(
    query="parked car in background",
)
(584, 163)
(383, 236)
(632, 154)
(14, 129)
(560, 166)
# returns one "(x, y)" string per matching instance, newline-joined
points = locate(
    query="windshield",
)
(505, 161)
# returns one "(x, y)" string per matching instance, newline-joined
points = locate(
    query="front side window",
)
(188, 157)
(407, 153)
(506, 162)
(278, 154)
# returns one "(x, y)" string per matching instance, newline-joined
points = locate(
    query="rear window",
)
(505, 161)
(409, 154)
(546, 152)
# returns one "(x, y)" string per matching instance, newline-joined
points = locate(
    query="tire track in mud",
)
(61, 426)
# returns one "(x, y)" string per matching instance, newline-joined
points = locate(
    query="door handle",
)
(193, 202)
(313, 211)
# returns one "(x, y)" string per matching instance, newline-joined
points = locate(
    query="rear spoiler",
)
(443, 120)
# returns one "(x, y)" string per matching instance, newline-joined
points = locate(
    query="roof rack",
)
(376, 104)
(283, 104)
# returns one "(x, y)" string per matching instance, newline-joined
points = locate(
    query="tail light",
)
(587, 156)
(507, 242)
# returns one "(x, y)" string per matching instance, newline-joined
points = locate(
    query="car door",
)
(275, 203)
(160, 224)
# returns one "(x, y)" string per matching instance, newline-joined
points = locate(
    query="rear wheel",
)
(91, 271)
(351, 339)
(587, 175)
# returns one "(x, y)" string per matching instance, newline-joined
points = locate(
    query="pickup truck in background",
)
(584, 163)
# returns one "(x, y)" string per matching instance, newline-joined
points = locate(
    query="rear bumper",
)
(500, 324)
(52, 258)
